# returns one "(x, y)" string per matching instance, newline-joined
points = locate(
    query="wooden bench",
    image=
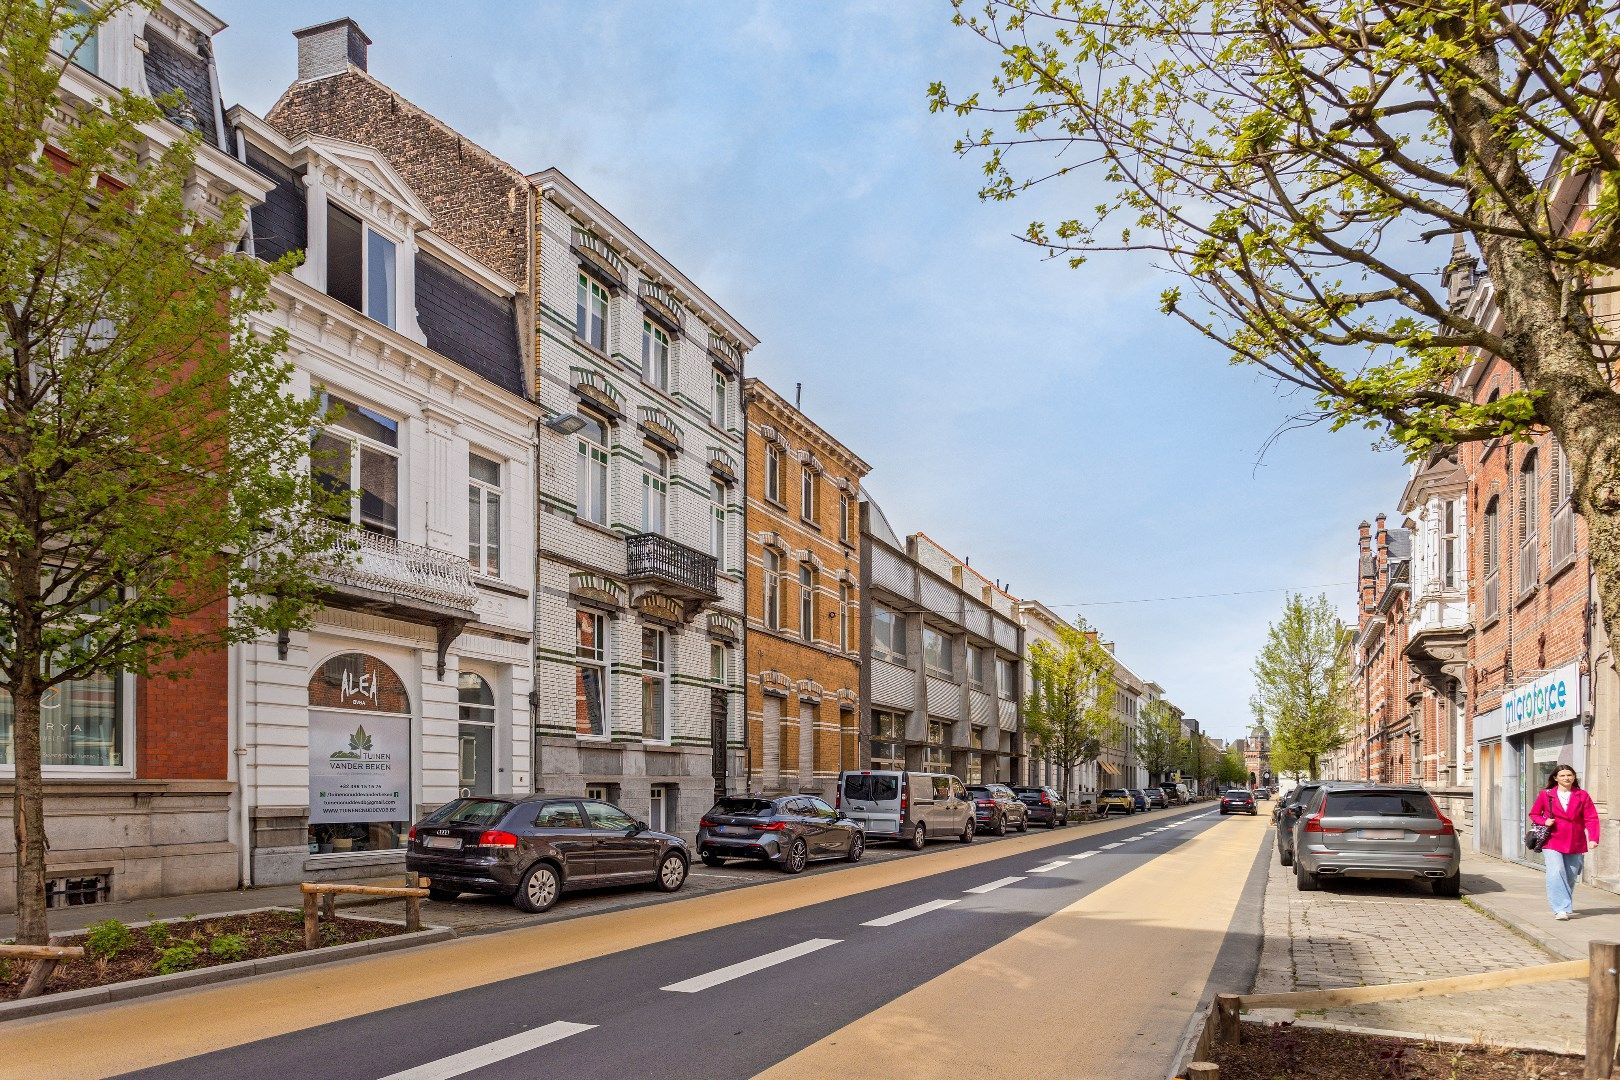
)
(320, 897)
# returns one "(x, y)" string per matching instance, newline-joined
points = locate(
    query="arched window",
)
(359, 756)
(477, 734)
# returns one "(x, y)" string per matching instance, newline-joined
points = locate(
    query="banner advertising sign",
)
(1555, 698)
(359, 767)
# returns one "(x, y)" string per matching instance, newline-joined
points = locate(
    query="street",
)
(1088, 946)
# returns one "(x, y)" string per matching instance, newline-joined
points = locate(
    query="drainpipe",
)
(748, 750)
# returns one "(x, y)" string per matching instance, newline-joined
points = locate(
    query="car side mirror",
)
(1295, 811)
(636, 828)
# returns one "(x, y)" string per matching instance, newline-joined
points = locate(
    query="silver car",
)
(1376, 831)
(912, 807)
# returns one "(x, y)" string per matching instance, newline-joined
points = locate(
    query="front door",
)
(658, 811)
(718, 732)
(619, 854)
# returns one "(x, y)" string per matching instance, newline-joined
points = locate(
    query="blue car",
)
(1139, 797)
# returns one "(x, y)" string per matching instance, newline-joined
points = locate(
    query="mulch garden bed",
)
(1289, 1052)
(118, 953)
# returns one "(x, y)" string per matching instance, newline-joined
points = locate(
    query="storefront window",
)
(80, 724)
(1542, 752)
(359, 756)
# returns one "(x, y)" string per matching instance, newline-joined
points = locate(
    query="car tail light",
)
(986, 802)
(412, 834)
(1314, 823)
(838, 799)
(771, 826)
(1446, 827)
(497, 838)
(1046, 800)
(707, 823)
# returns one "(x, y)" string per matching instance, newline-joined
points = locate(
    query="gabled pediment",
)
(368, 169)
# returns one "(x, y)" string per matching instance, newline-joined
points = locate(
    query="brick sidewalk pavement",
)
(1356, 933)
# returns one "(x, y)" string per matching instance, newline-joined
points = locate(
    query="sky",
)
(1046, 422)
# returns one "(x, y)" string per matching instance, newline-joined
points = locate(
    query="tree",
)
(1300, 679)
(1230, 771)
(1287, 159)
(1072, 700)
(1159, 742)
(151, 459)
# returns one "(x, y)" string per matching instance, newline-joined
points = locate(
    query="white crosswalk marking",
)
(748, 967)
(910, 913)
(490, 1053)
(994, 885)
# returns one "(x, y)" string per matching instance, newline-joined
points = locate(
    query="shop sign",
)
(359, 767)
(1555, 698)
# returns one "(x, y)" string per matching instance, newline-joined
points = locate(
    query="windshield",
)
(470, 812)
(1115, 793)
(741, 807)
(1378, 804)
(871, 788)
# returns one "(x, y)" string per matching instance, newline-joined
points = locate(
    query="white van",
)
(910, 806)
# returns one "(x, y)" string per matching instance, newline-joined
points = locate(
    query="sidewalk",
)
(1517, 896)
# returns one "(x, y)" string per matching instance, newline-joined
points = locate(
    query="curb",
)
(240, 969)
(1549, 945)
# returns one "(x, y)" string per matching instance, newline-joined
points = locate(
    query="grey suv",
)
(1376, 831)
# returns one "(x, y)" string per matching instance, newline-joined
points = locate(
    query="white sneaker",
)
(1562, 916)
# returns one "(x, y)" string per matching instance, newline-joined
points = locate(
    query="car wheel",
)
(442, 895)
(1000, 827)
(1285, 858)
(1306, 881)
(538, 890)
(671, 873)
(919, 837)
(1450, 886)
(712, 860)
(970, 831)
(1023, 824)
(798, 857)
(857, 846)
(1223, 813)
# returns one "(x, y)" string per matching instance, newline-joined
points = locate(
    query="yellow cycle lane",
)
(1104, 987)
(113, 1039)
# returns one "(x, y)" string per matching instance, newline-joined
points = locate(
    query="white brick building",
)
(639, 628)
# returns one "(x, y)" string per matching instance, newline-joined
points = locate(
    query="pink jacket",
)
(1572, 826)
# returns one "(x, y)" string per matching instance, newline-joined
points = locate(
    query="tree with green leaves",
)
(1160, 745)
(151, 456)
(1230, 771)
(1291, 162)
(1301, 678)
(1072, 700)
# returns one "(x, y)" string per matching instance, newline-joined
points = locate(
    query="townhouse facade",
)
(640, 626)
(804, 599)
(942, 657)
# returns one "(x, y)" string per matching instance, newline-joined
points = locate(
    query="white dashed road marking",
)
(1048, 866)
(490, 1053)
(994, 885)
(1082, 855)
(748, 967)
(910, 913)
(1111, 847)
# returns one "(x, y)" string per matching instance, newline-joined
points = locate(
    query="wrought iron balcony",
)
(673, 567)
(399, 574)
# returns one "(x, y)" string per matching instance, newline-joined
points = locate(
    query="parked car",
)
(1376, 831)
(909, 806)
(1176, 794)
(532, 848)
(1286, 814)
(1139, 797)
(1239, 801)
(996, 809)
(1115, 799)
(1044, 804)
(1155, 798)
(791, 831)
(1262, 792)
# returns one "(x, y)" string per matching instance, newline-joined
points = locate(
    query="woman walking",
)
(1566, 806)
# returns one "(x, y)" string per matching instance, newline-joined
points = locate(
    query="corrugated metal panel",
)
(944, 699)
(893, 685)
(941, 599)
(981, 707)
(894, 573)
(1007, 635)
(1009, 715)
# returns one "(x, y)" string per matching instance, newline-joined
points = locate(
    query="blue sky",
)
(1047, 422)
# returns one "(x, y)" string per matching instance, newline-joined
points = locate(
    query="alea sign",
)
(1555, 698)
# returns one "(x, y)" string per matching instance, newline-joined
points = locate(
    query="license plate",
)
(451, 843)
(734, 830)
(1382, 834)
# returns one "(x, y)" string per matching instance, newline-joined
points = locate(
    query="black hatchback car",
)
(1238, 801)
(996, 809)
(1044, 804)
(532, 847)
(790, 831)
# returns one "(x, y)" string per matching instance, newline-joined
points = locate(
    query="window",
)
(1489, 554)
(1006, 678)
(559, 815)
(773, 590)
(477, 734)
(719, 392)
(590, 673)
(605, 816)
(80, 42)
(937, 652)
(888, 634)
(357, 455)
(591, 313)
(361, 268)
(654, 683)
(807, 603)
(717, 662)
(1529, 523)
(809, 492)
(484, 515)
(935, 757)
(1561, 523)
(1448, 544)
(975, 760)
(654, 492)
(976, 665)
(888, 747)
(654, 356)
(593, 471)
(81, 724)
(773, 473)
(717, 522)
(843, 617)
(846, 515)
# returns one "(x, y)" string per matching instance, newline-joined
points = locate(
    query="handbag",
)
(1535, 837)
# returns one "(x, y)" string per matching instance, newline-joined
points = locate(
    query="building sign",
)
(359, 767)
(1555, 698)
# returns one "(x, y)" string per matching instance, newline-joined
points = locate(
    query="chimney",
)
(1383, 551)
(1364, 568)
(329, 48)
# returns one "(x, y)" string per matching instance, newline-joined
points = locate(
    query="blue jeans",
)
(1562, 872)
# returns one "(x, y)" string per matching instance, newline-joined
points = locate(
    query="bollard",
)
(1602, 997)
(311, 920)
(1203, 1070)
(1227, 1007)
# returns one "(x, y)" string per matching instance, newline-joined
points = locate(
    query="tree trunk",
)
(28, 814)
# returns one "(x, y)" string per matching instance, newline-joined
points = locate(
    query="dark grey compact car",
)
(791, 831)
(996, 809)
(1045, 805)
(532, 847)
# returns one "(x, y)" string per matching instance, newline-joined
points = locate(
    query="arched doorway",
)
(359, 756)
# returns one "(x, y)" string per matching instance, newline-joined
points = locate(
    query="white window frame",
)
(773, 589)
(596, 300)
(810, 495)
(773, 474)
(89, 46)
(655, 670)
(655, 470)
(717, 522)
(843, 616)
(597, 659)
(807, 602)
(124, 688)
(845, 532)
(478, 545)
(356, 442)
(367, 231)
(655, 355)
(720, 396)
(591, 456)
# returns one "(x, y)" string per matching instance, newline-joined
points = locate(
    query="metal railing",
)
(659, 558)
(370, 560)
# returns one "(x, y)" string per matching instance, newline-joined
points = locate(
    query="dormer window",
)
(80, 42)
(361, 267)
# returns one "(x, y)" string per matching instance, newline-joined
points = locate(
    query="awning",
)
(1108, 769)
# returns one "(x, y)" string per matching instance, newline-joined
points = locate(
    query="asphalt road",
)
(742, 996)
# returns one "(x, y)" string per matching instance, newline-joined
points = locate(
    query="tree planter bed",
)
(1298, 1052)
(271, 939)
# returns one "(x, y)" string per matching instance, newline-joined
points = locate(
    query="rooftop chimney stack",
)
(330, 48)
(1383, 551)
(1364, 568)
